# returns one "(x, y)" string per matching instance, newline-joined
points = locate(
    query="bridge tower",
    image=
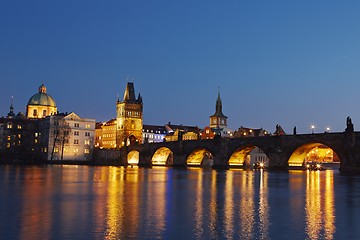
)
(129, 118)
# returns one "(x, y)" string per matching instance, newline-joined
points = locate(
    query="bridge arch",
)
(163, 156)
(247, 156)
(133, 157)
(309, 152)
(200, 157)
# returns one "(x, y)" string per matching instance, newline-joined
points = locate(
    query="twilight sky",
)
(293, 63)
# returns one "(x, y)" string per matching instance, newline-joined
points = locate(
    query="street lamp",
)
(327, 129)
(312, 129)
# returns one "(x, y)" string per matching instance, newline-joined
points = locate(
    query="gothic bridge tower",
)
(129, 118)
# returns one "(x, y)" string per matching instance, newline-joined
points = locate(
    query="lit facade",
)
(41, 104)
(186, 132)
(154, 134)
(250, 132)
(105, 134)
(67, 137)
(129, 118)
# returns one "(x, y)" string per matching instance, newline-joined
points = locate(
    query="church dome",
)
(42, 98)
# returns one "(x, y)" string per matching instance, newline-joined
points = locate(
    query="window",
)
(76, 133)
(87, 126)
(87, 134)
(66, 150)
(76, 141)
(66, 141)
(8, 138)
(76, 125)
(86, 150)
(19, 126)
(44, 113)
(87, 142)
(9, 125)
(76, 150)
(56, 150)
(36, 134)
(35, 112)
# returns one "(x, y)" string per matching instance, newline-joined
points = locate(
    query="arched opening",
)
(247, 157)
(131, 140)
(133, 157)
(162, 157)
(313, 152)
(200, 158)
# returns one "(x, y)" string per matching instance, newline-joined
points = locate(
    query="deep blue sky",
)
(293, 63)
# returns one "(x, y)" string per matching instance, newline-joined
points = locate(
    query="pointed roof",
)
(218, 109)
(11, 114)
(129, 95)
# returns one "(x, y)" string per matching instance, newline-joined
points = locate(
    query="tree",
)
(60, 134)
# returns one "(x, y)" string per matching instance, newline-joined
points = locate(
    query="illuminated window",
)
(44, 112)
(86, 150)
(35, 140)
(76, 150)
(76, 141)
(8, 145)
(56, 150)
(66, 149)
(9, 125)
(8, 138)
(19, 126)
(87, 142)
(87, 126)
(35, 113)
(36, 134)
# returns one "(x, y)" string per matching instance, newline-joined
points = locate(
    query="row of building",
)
(45, 133)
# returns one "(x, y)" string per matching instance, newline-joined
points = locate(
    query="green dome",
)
(41, 98)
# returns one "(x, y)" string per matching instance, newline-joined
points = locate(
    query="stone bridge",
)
(284, 152)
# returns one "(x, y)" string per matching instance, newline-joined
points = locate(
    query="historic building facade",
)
(129, 118)
(105, 134)
(153, 133)
(67, 137)
(41, 104)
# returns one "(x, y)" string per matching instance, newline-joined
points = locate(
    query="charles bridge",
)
(284, 152)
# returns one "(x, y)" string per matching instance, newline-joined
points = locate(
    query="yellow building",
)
(41, 104)
(105, 134)
(129, 118)
(186, 132)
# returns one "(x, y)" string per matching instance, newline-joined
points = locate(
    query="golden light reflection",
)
(263, 206)
(229, 204)
(200, 157)
(320, 218)
(199, 211)
(133, 157)
(238, 157)
(162, 157)
(247, 214)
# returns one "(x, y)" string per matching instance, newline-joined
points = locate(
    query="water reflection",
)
(319, 205)
(82, 202)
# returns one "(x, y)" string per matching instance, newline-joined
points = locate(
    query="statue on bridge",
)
(294, 130)
(349, 125)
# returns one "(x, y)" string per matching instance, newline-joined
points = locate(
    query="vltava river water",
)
(82, 202)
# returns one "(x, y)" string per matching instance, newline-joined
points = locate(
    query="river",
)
(84, 202)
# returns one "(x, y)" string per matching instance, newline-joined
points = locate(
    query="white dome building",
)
(41, 104)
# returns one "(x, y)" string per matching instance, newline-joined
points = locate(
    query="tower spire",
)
(11, 114)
